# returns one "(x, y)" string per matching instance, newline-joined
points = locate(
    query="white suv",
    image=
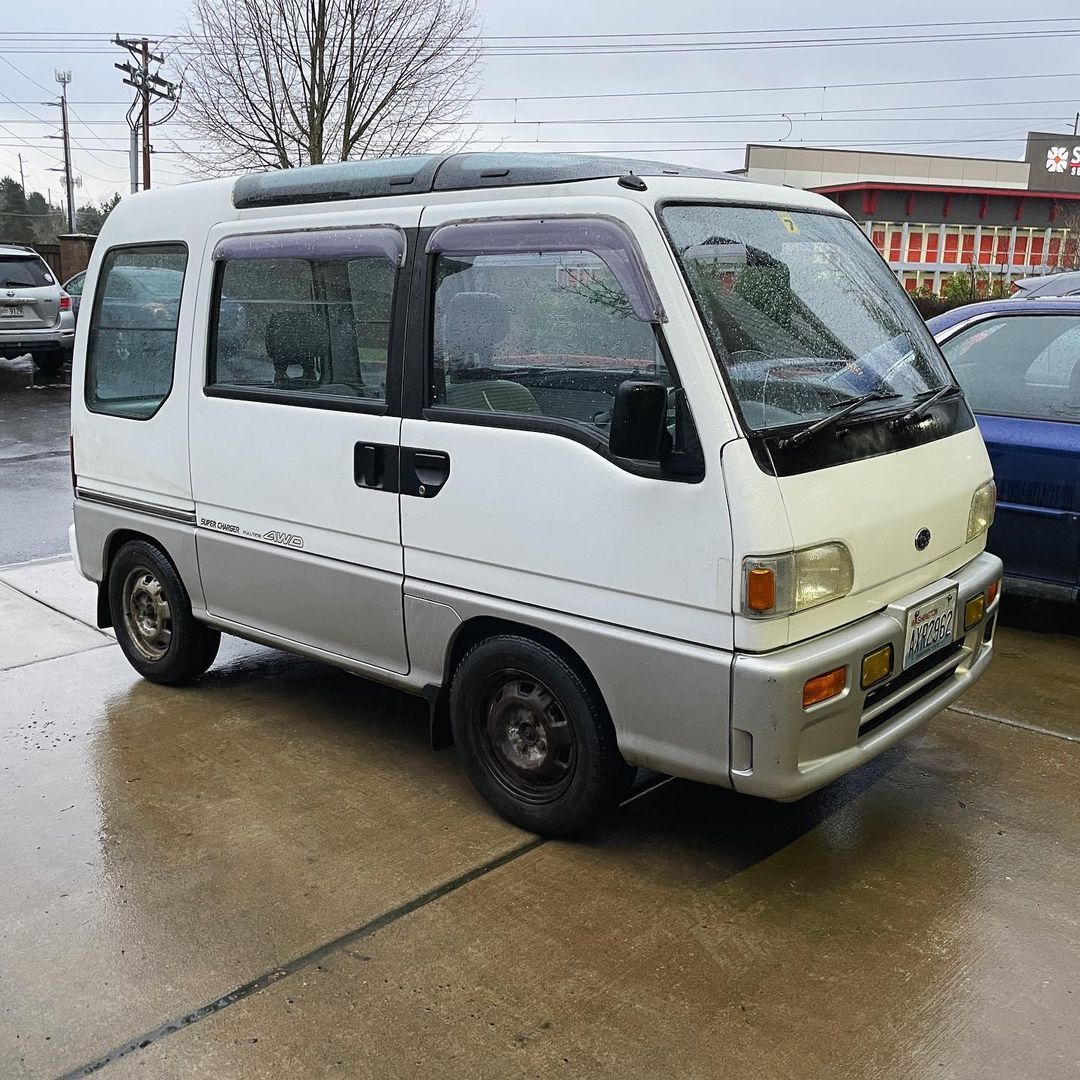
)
(35, 313)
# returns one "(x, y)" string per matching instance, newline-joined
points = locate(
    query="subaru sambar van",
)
(617, 463)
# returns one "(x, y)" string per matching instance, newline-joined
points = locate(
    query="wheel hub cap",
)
(529, 742)
(147, 615)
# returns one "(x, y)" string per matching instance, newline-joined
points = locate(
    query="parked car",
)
(1019, 365)
(135, 285)
(564, 444)
(74, 288)
(35, 313)
(1046, 286)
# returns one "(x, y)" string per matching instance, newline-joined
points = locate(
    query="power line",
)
(1033, 76)
(967, 23)
(776, 89)
(788, 111)
(657, 47)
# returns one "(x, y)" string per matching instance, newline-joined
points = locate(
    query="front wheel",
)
(533, 736)
(151, 613)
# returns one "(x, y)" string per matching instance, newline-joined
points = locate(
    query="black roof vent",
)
(344, 180)
(423, 173)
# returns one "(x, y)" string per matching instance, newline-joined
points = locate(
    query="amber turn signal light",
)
(974, 610)
(991, 593)
(761, 589)
(876, 666)
(824, 686)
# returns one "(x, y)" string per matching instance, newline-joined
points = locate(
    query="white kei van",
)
(617, 463)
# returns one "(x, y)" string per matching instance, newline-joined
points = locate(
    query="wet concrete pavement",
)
(270, 875)
(35, 476)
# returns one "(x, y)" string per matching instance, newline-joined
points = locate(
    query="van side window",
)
(132, 344)
(550, 334)
(312, 325)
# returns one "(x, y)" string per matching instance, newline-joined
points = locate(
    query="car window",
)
(1020, 365)
(543, 334)
(319, 325)
(74, 286)
(159, 282)
(132, 344)
(24, 272)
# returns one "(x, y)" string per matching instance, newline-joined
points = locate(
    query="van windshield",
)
(802, 313)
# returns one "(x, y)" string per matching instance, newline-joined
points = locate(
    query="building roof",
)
(944, 189)
(816, 167)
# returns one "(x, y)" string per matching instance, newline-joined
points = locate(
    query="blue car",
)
(1019, 366)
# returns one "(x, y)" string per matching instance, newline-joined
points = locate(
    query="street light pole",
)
(63, 78)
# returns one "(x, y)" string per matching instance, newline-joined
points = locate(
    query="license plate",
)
(11, 311)
(930, 626)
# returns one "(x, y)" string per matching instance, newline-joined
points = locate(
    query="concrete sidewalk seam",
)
(1033, 728)
(41, 561)
(51, 607)
(297, 964)
(63, 656)
(33, 457)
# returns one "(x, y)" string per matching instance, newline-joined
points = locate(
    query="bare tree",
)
(1069, 252)
(284, 83)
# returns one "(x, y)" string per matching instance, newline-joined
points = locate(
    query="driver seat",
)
(475, 324)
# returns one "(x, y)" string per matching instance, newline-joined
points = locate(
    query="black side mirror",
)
(639, 420)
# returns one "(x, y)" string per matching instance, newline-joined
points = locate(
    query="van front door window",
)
(542, 334)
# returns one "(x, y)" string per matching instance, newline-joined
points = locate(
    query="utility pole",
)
(63, 78)
(145, 92)
(149, 86)
(1076, 124)
(22, 179)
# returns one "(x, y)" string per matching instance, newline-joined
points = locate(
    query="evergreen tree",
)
(16, 226)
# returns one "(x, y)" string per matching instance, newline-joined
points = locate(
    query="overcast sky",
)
(739, 94)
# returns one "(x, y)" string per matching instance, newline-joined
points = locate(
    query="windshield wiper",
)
(808, 433)
(946, 391)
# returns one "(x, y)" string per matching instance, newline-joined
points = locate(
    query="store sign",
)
(1053, 162)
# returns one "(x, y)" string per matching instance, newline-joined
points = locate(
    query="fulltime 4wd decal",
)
(283, 538)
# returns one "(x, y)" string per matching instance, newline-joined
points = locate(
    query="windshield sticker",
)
(788, 222)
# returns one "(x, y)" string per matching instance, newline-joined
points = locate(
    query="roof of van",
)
(421, 173)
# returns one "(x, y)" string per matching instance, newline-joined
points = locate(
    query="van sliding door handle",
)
(375, 466)
(423, 472)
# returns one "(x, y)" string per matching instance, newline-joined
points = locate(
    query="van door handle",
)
(423, 472)
(375, 466)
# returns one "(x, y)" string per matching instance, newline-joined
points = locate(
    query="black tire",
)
(48, 363)
(534, 737)
(151, 614)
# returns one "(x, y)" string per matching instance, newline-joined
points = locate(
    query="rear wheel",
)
(533, 736)
(151, 613)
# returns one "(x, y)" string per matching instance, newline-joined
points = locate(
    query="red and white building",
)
(933, 216)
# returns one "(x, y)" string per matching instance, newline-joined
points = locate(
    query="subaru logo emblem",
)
(922, 539)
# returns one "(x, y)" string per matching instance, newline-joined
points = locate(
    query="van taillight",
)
(71, 455)
(65, 302)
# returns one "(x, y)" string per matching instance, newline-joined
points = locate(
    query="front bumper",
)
(781, 750)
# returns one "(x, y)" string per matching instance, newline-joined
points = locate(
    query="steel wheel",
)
(527, 742)
(147, 615)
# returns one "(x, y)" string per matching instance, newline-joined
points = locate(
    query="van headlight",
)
(776, 585)
(981, 514)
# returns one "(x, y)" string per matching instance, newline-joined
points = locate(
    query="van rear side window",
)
(132, 345)
(318, 325)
